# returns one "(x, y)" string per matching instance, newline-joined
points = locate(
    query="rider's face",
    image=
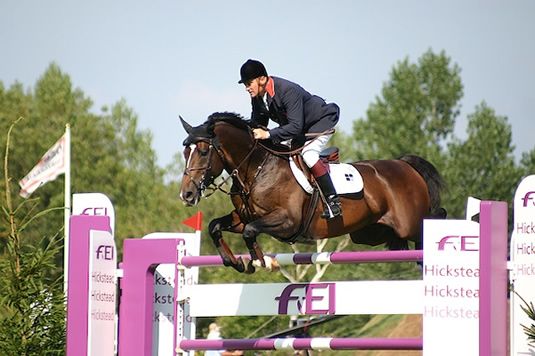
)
(256, 87)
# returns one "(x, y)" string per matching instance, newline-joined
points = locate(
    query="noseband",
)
(206, 179)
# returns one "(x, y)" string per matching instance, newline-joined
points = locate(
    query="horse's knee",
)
(214, 226)
(250, 232)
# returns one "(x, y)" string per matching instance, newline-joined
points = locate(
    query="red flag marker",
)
(195, 221)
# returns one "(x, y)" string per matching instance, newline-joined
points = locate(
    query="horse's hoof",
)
(250, 268)
(239, 266)
(226, 261)
(250, 265)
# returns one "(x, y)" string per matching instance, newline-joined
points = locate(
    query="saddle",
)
(349, 184)
(346, 178)
(330, 155)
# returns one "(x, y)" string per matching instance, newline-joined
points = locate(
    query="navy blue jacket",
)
(295, 110)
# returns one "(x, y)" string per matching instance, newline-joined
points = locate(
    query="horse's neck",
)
(266, 169)
(243, 160)
(249, 159)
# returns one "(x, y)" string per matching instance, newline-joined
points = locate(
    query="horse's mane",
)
(234, 119)
(206, 130)
(239, 122)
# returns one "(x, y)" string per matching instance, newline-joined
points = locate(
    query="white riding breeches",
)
(311, 150)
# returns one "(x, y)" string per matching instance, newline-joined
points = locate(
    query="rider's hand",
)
(260, 134)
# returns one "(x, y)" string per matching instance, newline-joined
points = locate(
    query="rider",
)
(297, 112)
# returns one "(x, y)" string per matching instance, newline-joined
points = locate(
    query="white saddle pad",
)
(346, 179)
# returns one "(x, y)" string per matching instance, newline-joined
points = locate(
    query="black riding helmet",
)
(251, 69)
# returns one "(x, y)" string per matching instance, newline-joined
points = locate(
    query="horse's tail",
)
(435, 183)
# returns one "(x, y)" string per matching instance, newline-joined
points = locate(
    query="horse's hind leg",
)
(377, 234)
(231, 223)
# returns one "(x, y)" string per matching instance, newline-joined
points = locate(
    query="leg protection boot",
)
(333, 206)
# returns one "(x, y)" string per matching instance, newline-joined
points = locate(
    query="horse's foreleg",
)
(232, 223)
(270, 224)
(249, 235)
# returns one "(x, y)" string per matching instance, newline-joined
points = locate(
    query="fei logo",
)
(458, 243)
(105, 252)
(310, 298)
(528, 198)
(97, 211)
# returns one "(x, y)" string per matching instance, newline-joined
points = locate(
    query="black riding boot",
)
(331, 198)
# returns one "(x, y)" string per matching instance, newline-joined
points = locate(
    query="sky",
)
(177, 57)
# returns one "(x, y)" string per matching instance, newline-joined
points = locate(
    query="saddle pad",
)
(345, 177)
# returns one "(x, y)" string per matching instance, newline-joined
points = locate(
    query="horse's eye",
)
(203, 153)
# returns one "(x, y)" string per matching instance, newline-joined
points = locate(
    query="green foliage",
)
(32, 309)
(527, 163)
(109, 154)
(483, 165)
(529, 309)
(32, 305)
(416, 112)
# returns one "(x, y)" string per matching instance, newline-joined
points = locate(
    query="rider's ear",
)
(186, 126)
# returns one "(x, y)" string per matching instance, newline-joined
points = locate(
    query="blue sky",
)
(167, 58)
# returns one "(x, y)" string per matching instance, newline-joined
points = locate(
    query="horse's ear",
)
(186, 126)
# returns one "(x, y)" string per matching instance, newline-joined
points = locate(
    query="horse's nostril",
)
(188, 196)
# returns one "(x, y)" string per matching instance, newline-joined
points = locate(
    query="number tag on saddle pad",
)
(345, 177)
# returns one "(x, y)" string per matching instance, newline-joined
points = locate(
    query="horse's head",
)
(206, 152)
(203, 163)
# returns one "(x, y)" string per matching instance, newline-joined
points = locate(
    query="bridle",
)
(207, 180)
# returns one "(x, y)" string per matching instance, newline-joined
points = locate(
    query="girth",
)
(309, 214)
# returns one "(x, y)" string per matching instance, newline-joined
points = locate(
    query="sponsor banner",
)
(96, 204)
(102, 294)
(522, 265)
(322, 298)
(451, 287)
(164, 291)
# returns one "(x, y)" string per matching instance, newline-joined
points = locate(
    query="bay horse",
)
(397, 195)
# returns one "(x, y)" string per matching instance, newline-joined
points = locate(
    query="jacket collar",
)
(270, 87)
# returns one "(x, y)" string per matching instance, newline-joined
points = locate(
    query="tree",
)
(32, 310)
(527, 163)
(416, 112)
(109, 154)
(483, 165)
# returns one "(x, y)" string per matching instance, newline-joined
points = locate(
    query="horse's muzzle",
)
(190, 198)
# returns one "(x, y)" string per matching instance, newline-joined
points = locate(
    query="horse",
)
(397, 195)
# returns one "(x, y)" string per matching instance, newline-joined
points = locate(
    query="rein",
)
(299, 149)
(218, 187)
(235, 172)
(244, 190)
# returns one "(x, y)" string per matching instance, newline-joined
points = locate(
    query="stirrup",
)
(333, 207)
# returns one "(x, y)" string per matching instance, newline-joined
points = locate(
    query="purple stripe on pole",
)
(493, 279)
(302, 344)
(305, 344)
(377, 344)
(303, 258)
(228, 344)
(191, 261)
(306, 258)
(377, 256)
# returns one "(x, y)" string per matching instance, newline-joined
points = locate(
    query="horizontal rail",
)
(320, 343)
(344, 257)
